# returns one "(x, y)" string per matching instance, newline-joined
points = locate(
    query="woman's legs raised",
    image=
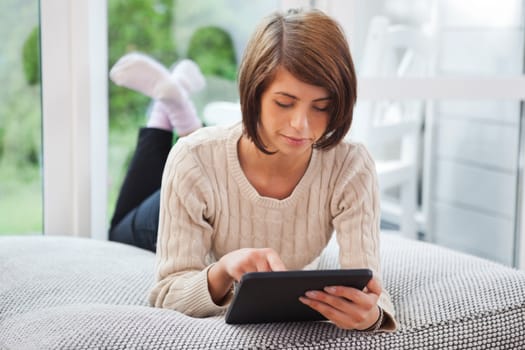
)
(135, 220)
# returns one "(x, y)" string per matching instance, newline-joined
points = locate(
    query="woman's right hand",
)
(233, 265)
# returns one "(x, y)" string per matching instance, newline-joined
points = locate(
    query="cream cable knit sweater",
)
(208, 208)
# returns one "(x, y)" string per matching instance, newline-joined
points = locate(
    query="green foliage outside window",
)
(146, 26)
(212, 48)
(137, 25)
(31, 58)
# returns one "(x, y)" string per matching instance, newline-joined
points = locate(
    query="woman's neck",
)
(272, 175)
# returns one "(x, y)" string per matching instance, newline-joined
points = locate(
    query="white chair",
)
(221, 113)
(391, 130)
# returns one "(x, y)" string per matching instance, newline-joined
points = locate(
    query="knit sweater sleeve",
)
(356, 211)
(184, 237)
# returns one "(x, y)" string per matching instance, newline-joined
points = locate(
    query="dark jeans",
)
(136, 217)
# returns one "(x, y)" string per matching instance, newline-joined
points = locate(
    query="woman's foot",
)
(189, 75)
(141, 73)
(179, 117)
(172, 108)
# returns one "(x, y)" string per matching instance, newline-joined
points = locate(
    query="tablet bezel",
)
(263, 297)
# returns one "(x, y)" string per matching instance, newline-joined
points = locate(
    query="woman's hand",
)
(233, 265)
(346, 307)
(238, 262)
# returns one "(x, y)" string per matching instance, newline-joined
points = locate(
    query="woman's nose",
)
(299, 119)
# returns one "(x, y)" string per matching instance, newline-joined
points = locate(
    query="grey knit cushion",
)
(73, 293)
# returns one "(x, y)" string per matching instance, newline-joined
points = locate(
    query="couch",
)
(78, 293)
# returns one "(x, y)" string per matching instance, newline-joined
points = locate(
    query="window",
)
(470, 100)
(20, 119)
(213, 34)
(468, 147)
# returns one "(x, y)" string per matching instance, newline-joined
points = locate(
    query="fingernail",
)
(311, 294)
(330, 290)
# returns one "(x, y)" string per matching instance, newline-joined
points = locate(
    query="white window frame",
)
(74, 100)
(74, 109)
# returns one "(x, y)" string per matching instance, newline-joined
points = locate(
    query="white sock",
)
(141, 73)
(188, 74)
(188, 78)
(172, 108)
(158, 117)
(182, 116)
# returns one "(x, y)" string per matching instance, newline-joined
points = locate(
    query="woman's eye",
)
(321, 109)
(283, 105)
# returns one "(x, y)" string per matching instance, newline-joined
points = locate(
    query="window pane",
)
(468, 149)
(456, 138)
(213, 34)
(20, 119)
(475, 153)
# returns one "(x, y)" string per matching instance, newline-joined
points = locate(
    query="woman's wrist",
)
(378, 323)
(219, 283)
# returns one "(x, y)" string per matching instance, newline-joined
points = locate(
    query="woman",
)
(266, 195)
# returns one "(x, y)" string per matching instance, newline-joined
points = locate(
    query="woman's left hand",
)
(346, 307)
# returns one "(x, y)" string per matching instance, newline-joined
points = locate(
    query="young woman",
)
(266, 194)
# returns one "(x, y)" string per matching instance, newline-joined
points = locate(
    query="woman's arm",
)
(184, 238)
(186, 281)
(355, 211)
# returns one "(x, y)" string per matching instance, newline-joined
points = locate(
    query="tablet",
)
(263, 297)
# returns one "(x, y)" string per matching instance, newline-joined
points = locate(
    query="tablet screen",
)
(263, 297)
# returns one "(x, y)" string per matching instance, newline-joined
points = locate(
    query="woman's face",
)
(294, 114)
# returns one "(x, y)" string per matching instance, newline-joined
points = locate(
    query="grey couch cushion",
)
(72, 293)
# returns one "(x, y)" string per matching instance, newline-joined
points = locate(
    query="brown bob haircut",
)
(313, 48)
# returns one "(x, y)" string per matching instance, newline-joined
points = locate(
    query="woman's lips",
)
(295, 141)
